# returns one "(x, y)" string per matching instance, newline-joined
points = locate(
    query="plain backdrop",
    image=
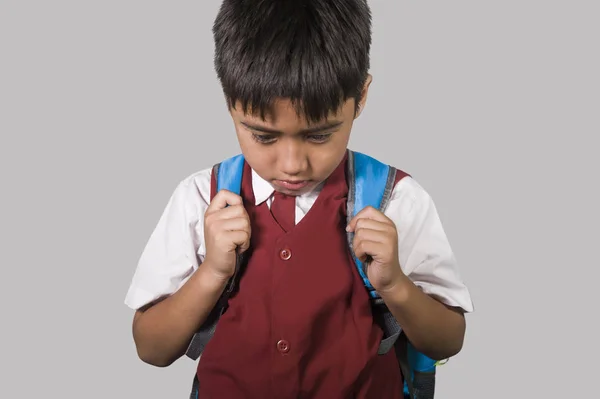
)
(494, 107)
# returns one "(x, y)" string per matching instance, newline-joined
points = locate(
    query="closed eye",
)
(319, 138)
(263, 138)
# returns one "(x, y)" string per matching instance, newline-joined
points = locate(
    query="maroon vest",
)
(299, 324)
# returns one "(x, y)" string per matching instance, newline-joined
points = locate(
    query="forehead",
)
(283, 114)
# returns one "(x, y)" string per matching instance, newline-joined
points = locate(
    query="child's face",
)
(287, 151)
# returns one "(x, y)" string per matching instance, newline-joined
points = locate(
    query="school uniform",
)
(299, 323)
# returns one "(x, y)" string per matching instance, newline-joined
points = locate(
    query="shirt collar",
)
(263, 189)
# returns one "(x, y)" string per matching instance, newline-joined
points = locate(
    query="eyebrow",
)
(316, 129)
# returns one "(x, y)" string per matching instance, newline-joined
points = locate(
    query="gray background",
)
(492, 106)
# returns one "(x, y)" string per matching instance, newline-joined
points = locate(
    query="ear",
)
(364, 95)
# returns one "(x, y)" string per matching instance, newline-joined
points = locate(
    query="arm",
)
(414, 270)
(434, 329)
(162, 331)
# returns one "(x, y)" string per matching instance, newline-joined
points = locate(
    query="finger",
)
(241, 239)
(362, 234)
(233, 224)
(367, 212)
(222, 199)
(366, 248)
(232, 211)
(371, 224)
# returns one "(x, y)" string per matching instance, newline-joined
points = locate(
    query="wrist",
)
(211, 279)
(398, 290)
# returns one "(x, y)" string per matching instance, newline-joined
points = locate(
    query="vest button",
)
(283, 346)
(285, 254)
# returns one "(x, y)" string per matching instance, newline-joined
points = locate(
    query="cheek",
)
(247, 144)
(336, 150)
(327, 161)
(260, 163)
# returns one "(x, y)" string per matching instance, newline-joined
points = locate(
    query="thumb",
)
(244, 246)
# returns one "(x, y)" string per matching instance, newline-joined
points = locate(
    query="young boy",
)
(299, 322)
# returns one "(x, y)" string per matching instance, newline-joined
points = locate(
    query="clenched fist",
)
(226, 231)
(376, 242)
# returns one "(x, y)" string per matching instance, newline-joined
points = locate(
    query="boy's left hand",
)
(376, 241)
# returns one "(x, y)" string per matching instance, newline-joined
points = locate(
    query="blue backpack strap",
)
(370, 183)
(228, 175)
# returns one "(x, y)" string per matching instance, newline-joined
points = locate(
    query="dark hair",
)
(313, 52)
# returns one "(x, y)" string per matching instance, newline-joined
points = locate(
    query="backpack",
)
(370, 182)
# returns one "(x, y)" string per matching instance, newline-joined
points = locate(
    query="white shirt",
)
(176, 247)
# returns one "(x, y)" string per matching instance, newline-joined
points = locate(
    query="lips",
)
(293, 185)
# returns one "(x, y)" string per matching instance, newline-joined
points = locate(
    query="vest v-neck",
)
(325, 192)
(283, 210)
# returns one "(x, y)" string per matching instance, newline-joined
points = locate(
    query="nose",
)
(293, 159)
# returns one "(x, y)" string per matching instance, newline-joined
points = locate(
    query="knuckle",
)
(392, 240)
(357, 244)
(239, 208)
(210, 228)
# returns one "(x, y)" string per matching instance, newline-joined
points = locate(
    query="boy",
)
(299, 323)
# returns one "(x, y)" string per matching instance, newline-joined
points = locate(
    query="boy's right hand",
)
(226, 228)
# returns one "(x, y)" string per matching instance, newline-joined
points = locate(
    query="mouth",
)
(292, 185)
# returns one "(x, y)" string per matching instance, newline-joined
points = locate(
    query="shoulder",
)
(405, 189)
(409, 202)
(193, 189)
(425, 253)
(410, 206)
(175, 247)
(196, 188)
(408, 191)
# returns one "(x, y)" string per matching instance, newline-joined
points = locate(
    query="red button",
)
(285, 254)
(283, 346)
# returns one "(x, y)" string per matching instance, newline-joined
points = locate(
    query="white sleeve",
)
(176, 246)
(424, 251)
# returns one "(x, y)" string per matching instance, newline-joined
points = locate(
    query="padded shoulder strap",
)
(372, 180)
(370, 183)
(229, 174)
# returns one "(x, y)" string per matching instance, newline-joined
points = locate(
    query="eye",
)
(319, 138)
(263, 138)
